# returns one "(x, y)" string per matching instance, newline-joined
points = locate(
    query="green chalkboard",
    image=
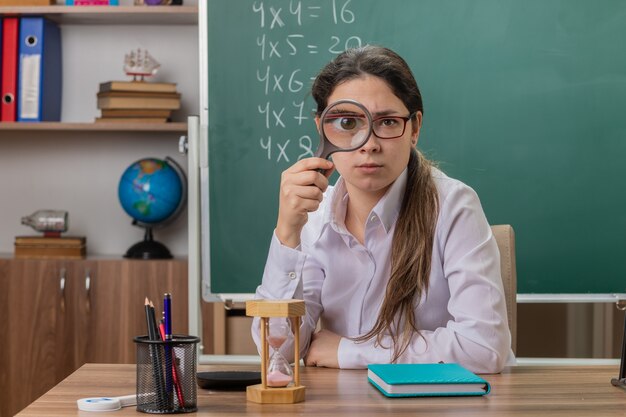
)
(525, 101)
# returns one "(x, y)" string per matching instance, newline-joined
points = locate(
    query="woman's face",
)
(375, 166)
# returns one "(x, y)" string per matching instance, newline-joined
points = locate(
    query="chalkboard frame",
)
(585, 231)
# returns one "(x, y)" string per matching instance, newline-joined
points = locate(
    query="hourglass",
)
(279, 372)
(279, 384)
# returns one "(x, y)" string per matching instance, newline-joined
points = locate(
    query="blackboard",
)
(525, 101)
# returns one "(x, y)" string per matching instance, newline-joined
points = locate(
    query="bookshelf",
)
(75, 164)
(119, 15)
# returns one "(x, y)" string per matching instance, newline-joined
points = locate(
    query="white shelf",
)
(94, 127)
(111, 15)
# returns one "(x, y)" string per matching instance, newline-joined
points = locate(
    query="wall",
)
(79, 171)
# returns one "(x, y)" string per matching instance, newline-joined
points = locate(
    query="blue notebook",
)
(417, 380)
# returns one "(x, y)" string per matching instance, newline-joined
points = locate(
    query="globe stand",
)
(148, 248)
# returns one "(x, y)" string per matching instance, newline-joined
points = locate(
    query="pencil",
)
(150, 321)
(157, 368)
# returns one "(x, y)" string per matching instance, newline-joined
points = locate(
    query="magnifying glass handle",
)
(319, 153)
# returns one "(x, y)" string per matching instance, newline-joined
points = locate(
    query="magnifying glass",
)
(345, 126)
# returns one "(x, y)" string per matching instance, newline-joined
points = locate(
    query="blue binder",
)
(40, 76)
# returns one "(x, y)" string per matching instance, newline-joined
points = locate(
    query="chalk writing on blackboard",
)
(284, 118)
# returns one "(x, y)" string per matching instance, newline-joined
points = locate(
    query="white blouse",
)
(462, 318)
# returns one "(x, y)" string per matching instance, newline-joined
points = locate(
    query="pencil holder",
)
(166, 375)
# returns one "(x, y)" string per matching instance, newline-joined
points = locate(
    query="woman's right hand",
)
(301, 189)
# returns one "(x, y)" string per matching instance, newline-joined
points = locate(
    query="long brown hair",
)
(412, 247)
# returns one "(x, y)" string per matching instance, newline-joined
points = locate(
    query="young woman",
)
(397, 261)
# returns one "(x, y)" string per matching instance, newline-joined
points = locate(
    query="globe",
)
(153, 192)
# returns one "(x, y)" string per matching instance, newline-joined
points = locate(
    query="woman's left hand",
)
(323, 350)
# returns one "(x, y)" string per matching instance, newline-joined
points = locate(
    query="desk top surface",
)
(519, 391)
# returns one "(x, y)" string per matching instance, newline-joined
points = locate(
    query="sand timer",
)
(279, 320)
(279, 372)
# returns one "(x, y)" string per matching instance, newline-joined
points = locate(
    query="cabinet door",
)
(33, 298)
(117, 297)
(74, 310)
(47, 308)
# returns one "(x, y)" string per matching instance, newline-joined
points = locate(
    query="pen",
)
(179, 390)
(167, 318)
(167, 315)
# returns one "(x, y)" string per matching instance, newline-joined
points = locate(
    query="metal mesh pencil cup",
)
(166, 375)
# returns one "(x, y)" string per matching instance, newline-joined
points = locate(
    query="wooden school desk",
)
(519, 391)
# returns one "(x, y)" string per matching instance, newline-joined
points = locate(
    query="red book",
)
(10, 32)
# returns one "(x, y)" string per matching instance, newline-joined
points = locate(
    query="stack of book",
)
(137, 101)
(50, 247)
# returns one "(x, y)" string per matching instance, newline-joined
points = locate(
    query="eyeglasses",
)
(390, 127)
(347, 124)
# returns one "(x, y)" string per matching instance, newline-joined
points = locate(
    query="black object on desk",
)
(620, 381)
(228, 380)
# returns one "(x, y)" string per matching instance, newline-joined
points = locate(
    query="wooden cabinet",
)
(117, 295)
(60, 314)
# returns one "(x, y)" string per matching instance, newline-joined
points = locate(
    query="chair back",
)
(505, 237)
